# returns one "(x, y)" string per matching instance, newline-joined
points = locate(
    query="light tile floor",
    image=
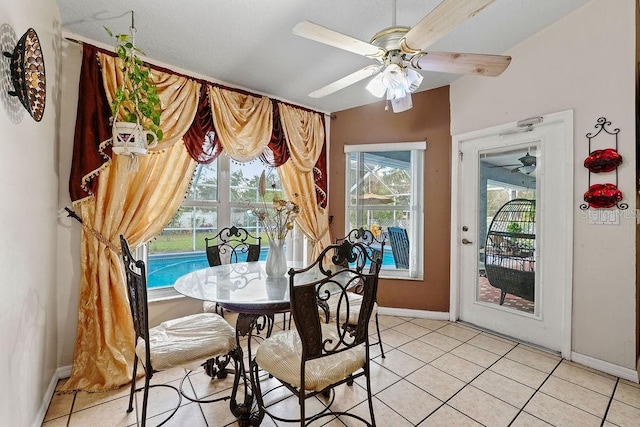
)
(435, 373)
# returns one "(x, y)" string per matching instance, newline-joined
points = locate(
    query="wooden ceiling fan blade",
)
(461, 63)
(324, 35)
(440, 21)
(352, 78)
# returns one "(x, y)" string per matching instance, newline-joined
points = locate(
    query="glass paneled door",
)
(512, 233)
(506, 228)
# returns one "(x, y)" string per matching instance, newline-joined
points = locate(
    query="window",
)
(222, 194)
(384, 189)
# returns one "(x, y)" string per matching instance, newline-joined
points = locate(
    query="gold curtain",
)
(179, 96)
(305, 136)
(243, 122)
(137, 205)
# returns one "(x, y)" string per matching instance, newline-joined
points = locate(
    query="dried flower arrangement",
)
(276, 219)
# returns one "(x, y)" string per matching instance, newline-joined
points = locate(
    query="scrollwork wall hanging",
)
(602, 161)
(27, 74)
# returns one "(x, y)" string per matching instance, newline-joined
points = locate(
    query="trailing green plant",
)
(137, 98)
(514, 227)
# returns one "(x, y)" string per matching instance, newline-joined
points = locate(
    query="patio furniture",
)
(316, 356)
(510, 249)
(184, 341)
(399, 246)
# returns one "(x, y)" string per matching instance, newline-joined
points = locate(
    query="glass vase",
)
(276, 259)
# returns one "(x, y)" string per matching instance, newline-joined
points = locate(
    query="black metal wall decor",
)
(607, 160)
(28, 75)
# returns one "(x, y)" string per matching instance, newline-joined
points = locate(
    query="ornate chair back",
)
(375, 250)
(135, 273)
(373, 243)
(324, 278)
(176, 342)
(318, 356)
(232, 244)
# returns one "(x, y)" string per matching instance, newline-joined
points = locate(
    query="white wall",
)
(68, 229)
(28, 188)
(585, 62)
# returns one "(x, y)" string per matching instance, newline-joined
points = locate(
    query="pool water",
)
(164, 269)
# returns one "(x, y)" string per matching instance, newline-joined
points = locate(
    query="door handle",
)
(466, 242)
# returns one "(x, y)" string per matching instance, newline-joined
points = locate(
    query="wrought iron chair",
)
(375, 249)
(184, 341)
(399, 246)
(231, 244)
(316, 356)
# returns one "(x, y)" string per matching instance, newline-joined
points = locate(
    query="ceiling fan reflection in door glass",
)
(526, 165)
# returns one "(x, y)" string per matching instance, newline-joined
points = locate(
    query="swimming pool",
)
(164, 269)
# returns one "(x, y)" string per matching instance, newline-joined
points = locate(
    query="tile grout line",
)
(613, 393)
(405, 376)
(480, 332)
(537, 391)
(467, 383)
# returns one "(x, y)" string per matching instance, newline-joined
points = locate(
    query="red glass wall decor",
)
(606, 160)
(603, 161)
(603, 195)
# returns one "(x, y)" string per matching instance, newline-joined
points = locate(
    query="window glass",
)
(205, 183)
(382, 189)
(244, 181)
(221, 194)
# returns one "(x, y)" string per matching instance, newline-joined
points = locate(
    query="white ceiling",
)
(249, 44)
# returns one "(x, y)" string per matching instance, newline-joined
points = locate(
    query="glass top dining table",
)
(241, 287)
(245, 288)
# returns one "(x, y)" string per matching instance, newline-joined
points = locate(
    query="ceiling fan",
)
(527, 164)
(400, 51)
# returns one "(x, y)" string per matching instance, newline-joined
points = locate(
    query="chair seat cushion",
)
(209, 307)
(188, 340)
(281, 356)
(355, 300)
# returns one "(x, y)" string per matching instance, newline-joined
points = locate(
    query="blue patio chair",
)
(399, 246)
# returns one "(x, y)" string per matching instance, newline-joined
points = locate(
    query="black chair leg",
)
(133, 383)
(147, 380)
(379, 337)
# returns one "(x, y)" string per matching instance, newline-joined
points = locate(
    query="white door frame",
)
(564, 149)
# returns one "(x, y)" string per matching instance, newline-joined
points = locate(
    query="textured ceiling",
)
(249, 44)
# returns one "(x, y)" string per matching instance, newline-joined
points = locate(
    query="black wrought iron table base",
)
(250, 325)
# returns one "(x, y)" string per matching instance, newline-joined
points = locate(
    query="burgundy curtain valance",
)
(200, 141)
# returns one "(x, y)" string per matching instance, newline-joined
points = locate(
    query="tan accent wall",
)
(427, 120)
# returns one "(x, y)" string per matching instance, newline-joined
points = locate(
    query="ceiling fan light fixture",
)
(395, 81)
(402, 104)
(376, 86)
(527, 169)
(414, 79)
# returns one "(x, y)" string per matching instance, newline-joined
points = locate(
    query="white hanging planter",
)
(131, 139)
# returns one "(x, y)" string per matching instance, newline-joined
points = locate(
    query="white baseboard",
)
(406, 312)
(606, 367)
(64, 372)
(46, 399)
